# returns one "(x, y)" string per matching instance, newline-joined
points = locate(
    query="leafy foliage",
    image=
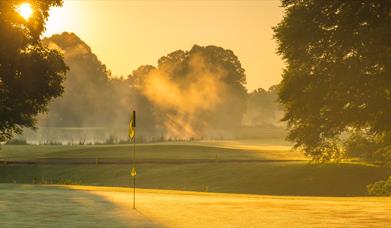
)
(16, 142)
(30, 74)
(205, 87)
(338, 56)
(94, 99)
(368, 146)
(380, 188)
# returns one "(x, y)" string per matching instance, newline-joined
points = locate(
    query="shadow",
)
(43, 206)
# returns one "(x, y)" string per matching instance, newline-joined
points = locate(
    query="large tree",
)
(193, 92)
(338, 74)
(30, 74)
(88, 96)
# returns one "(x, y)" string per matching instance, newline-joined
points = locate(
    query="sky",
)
(127, 34)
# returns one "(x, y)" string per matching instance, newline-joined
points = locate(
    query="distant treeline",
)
(189, 94)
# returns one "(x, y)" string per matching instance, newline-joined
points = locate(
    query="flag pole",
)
(134, 162)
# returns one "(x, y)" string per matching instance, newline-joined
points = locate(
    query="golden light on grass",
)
(25, 10)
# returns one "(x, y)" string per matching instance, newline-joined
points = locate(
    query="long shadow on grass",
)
(38, 206)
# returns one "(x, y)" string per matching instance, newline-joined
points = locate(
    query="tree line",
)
(189, 94)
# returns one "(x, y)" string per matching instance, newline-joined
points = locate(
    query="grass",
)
(281, 178)
(211, 175)
(207, 191)
(38, 206)
(84, 206)
(205, 150)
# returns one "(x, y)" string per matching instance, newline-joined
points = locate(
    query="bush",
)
(385, 153)
(380, 188)
(17, 142)
(362, 146)
(111, 140)
(51, 143)
(369, 147)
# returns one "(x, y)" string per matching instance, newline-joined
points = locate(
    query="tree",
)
(194, 91)
(30, 74)
(338, 74)
(146, 112)
(263, 108)
(225, 64)
(88, 96)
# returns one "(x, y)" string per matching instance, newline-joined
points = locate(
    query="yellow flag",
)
(132, 126)
(133, 172)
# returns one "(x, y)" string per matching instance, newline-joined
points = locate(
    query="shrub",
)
(17, 142)
(369, 147)
(380, 188)
(51, 143)
(362, 146)
(385, 153)
(111, 140)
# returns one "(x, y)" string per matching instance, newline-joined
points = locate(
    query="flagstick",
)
(132, 135)
(134, 165)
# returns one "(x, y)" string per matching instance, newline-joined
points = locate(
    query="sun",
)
(25, 10)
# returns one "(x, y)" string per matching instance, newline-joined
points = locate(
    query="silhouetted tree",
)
(263, 107)
(147, 114)
(216, 80)
(86, 85)
(228, 113)
(338, 74)
(92, 98)
(30, 74)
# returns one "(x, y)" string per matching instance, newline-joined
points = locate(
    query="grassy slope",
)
(48, 206)
(277, 178)
(207, 150)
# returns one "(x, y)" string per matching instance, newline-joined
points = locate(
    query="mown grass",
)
(212, 175)
(40, 206)
(91, 206)
(279, 178)
(145, 151)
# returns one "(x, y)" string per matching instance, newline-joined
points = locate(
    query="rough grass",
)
(58, 206)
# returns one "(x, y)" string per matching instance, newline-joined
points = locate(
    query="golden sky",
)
(127, 34)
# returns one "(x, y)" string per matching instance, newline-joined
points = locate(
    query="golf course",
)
(195, 114)
(244, 183)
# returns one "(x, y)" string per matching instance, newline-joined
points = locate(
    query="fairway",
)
(210, 166)
(211, 150)
(84, 206)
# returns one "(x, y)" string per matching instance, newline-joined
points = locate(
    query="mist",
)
(183, 100)
(189, 95)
